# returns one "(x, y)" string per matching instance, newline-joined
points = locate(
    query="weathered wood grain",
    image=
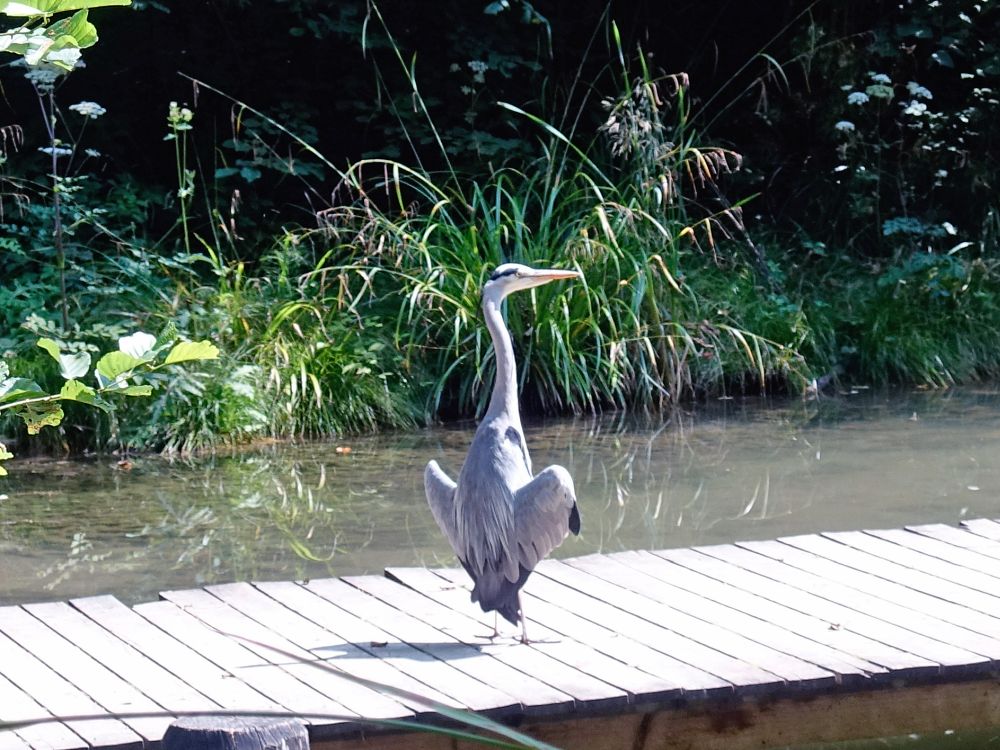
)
(337, 636)
(804, 639)
(64, 657)
(959, 538)
(917, 591)
(535, 661)
(984, 587)
(272, 648)
(565, 589)
(304, 636)
(840, 606)
(781, 642)
(163, 687)
(484, 683)
(552, 623)
(61, 698)
(178, 655)
(964, 559)
(878, 659)
(16, 705)
(984, 527)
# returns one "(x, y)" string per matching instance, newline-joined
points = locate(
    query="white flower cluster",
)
(845, 126)
(914, 108)
(857, 97)
(56, 151)
(93, 110)
(43, 77)
(880, 78)
(918, 91)
(179, 117)
(478, 68)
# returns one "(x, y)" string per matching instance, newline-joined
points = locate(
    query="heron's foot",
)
(490, 636)
(529, 641)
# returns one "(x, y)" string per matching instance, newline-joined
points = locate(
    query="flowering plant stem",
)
(48, 104)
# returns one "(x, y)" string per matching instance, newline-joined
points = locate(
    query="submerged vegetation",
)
(837, 217)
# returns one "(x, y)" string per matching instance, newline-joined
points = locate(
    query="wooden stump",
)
(235, 733)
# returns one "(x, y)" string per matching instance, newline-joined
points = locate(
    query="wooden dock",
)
(802, 639)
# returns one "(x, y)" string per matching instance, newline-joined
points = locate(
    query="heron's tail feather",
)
(494, 592)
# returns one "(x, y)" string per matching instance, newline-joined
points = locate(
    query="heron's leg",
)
(496, 630)
(524, 620)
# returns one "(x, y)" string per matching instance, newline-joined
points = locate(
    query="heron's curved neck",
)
(504, 399)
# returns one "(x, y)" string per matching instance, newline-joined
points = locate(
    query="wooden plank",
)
(779, 639)
(80, 669)
(983, 527)
(10, 740)
(176, 656)
(451, 676)
(489, 682)
(290, 658)
(884, 661)
(16, 705)
(61, 698)
(967, 559)
(641, 686)
(764, 662)
(342, 627)
(136, 668)
(553, 622)
(274, 688)
(453, 596)
(946, 622)
(571, 676)
(737, 672)
(960, 538)
(983, 587)
(351, 658)
(402, 659)
(839, 605)
(905, 586)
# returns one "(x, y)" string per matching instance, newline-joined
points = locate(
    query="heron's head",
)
(513, 277)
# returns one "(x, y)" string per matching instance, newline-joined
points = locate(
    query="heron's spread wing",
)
(440, 491)
(544, 513)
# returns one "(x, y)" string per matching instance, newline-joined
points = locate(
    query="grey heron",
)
(500, 518)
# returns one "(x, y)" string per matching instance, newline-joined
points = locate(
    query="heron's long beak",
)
(541, 276)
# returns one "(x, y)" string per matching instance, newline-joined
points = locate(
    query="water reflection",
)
(732, 470)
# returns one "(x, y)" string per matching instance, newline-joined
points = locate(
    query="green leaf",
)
(5, 455)
(29, 8)
(14, 389)
(137, 390)
(192, 350)
(74, 365)
(167, 336)
(37, 416)
(51, 347)
(74, 390)
(113, 364)
(81, 32)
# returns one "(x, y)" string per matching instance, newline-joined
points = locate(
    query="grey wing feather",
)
(543, 510)
(440, 491)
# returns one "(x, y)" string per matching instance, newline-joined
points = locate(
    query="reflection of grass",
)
(231, 518)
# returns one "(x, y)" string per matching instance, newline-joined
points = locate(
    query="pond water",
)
(729, 470)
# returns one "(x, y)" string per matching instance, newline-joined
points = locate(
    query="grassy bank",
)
(365, 315)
